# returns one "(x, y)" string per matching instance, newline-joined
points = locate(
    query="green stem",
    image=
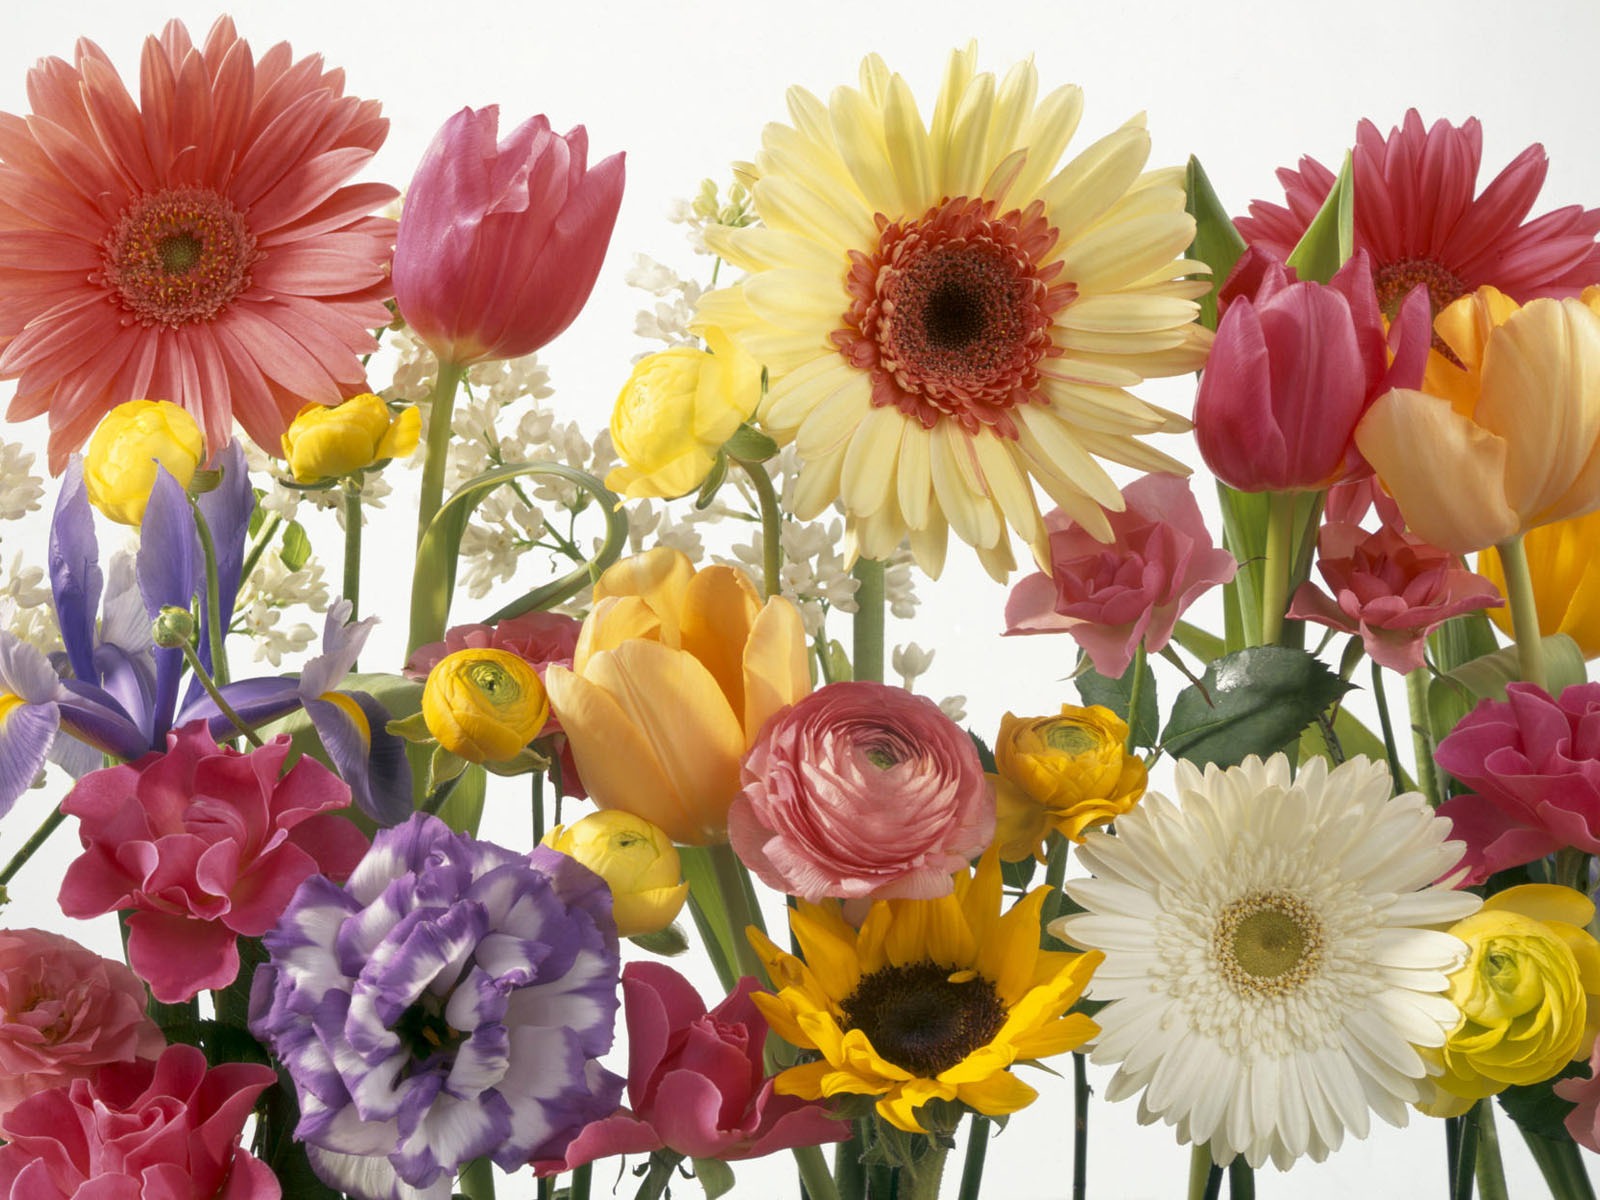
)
(1199, 1170)
(1241, 1180)
(1466, 1157)
(1279, 566)
(214, 629)
(866, 658)
(663, 1166)
(578, 1188)
(1080, 1127)
(263, 539)
(731, 883)
(476, 1181)
(1491, 1173)
(1135, 690)
(1422, 735)
(848, 1170)
(1572, 869)
(1390, 749)
(771, 526)
(538, 807)
(977, 1150)
(920, 1179)
(1524, 612)
(352, 546)
(1562, 1166)
(814, 1173)
(440, 406)
(40, 836)
(226, 709)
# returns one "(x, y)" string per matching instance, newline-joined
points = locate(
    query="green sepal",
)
(443, 766)
(715, 1176)
(294, 546)
(669, 942)
(1254, 701)
(748, 444)
(525, 762)
(1536, 1107)
(204, 481)
(713, 481)
(1216, 241)
(1330, 238)
(1201, 643)
(839, 669)
(412, 729)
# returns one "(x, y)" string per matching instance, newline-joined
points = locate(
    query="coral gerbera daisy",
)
(1269, 964)
(1418, 221)
(928, 1000)
(945, 316)
(195, 246)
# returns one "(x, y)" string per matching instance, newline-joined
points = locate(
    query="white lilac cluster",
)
(20, 489)
(271, 589)
(26, 610)
(667, 320)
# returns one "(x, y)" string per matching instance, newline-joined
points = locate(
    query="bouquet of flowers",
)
(1239, 897)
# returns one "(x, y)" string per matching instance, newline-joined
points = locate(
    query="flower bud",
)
(638, 862)
(325, 442)
(135, 438)
(173, 627)
(484, 705)
(1067, 772)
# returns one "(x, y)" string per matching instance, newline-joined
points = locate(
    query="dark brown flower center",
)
(952, 312)
(923, 1017)
(1394, 281)
(178, 256)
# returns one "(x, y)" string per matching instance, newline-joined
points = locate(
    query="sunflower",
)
(928, 1000)
(944, 316)
(1269, 962)
(196, 246)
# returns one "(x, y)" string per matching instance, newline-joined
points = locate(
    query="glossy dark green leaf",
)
(1253, 701)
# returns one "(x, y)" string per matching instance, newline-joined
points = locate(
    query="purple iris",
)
(450, 1002)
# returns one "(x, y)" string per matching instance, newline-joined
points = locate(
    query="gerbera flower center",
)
(952, 312)
(1394, 281)
(922, 1017)
(178, 256)
(1267, 943)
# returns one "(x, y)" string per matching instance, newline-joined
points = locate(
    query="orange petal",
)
(614, 620)
(776, 668)
(719, 607)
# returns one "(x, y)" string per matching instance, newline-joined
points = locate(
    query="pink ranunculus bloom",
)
(1293, 369)
(1533, 764)
(204, 844)
(65, 1012)
(164, 1130)
(1583, 1122)
(539, 638)
(697, 1084)
(499, 245)
(1390, 587)
(1110, 596)
(861, 791)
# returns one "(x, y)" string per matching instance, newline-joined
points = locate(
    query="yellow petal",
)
(660, 577)
(614, 620)
(719, 609)
(776, 670)
(1544, 902)
(997, 1095)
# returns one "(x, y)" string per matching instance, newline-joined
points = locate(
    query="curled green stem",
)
(771, 526)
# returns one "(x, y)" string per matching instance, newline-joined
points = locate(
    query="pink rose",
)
(1533, 764)
(167, 1130)
(697, 1084)
(861, 790)
(1109, 596)
(204, 844)
(65, 1012)
(1390, 587)
(538, 638)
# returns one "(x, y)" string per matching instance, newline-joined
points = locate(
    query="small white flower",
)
(910, 661)
(20, 489)
(954, 707)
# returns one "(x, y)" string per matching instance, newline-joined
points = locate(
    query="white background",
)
(684, 88)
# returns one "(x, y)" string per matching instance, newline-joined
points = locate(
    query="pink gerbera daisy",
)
(196, 246)
(1419, 222)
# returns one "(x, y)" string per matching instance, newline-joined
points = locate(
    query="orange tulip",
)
(1566, 580)
(675, 672)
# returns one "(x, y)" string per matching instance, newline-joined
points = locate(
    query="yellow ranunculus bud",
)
(638, 862)
(136, 437)
(325, 442)
(484, 705)
(1067, 772)
(676, 410)
(1529, 995)
(1566, 580)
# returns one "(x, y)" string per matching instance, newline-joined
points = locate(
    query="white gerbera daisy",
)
(1269, 960)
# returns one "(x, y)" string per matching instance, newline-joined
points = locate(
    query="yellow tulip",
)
(1566, 580)
(1067, 772)
(324, 442)
(484, 705)
(638, 862)
(1508, 440)
(1529, 995)
(676, 410)
(136, 437)
(674, 675)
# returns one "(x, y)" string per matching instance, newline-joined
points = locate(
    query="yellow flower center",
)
(1267, 943)
(1070, 739)
(178, 256)
(923, 1017)
(495, 682)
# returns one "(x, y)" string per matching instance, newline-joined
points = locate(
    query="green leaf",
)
(669, 942)
(463, 807)
(838, 668)
(434, 576)
(1455, 693)
(1538, 1109)
(1244, 533)
(715, 1176)
(1095, 688)
(1330, 238)
(1354, 738)
(1018, 874)
(1251, 702)
(1216, 242)
(710, 913)
(1203, 645)
(1462, 639)
(295, 546)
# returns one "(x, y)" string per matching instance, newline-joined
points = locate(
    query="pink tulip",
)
(499, 246)
(696, 1081)
(1293, 369)
(1390, 587)
(1110, 596)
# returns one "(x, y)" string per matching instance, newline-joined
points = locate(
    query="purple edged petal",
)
(26, 732)
(367, 756)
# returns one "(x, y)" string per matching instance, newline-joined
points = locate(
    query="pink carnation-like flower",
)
(1533, 764)
(65, 1012)
(1108, 596)
(196, 246)
(539, 638)
(1391, 588)
(861, 790)
(697, 1084)
(203, 844)
(167, 1130)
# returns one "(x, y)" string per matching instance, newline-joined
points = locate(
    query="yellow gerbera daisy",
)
(944, 315)
(928, 1000)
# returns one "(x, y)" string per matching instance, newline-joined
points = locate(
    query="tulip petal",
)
(616, 619)
(660, 577)
(719, 608)
(776, 669)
